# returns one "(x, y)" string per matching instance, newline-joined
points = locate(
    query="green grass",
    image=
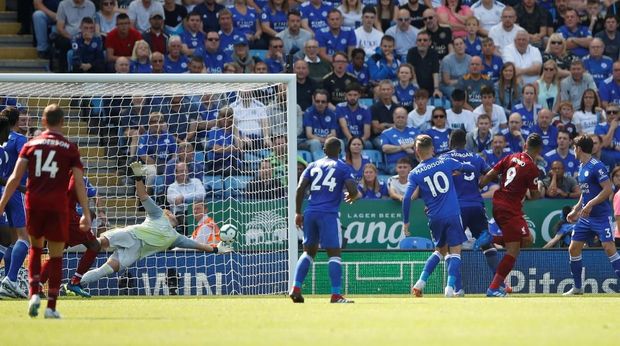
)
(372, 320)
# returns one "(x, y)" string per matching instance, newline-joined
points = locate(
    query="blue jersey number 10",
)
(440, 183)
(329, 180)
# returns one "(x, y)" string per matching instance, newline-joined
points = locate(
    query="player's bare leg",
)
(301, 270)
(335, 275)
(87, 259)
(55, 275)
(503, 269)
(432, 261)
(575, 249)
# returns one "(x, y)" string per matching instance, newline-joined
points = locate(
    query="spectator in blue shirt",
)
(192, 37)
(384, 63)
(398, 141)
(274, 18)
(156, 147)
(610, 88)
(228, 33)
(175, 61)
(141, 58)
(563, 154)
(370, 187)
(320, 122)
(610, 133)
(335, 37)
(492, 63)
(498, 150)
(180, 119)
(405, 86)
(214, 56)
(515, 134)
(87, 49)
(359, 68)
(209, 13)
(354, 119)
(546, 130)
(224, 146)
(354, 157)
(275, 56)
(246, 20)
(439, 131)
(314, 14)
(577, 36)
(597, 64)
(185, 154)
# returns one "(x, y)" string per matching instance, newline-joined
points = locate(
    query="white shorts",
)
(126, 246)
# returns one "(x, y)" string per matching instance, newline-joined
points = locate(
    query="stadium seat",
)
(383, 177)
(235, 185)
(213, 182)
(319, 154)
(70, 60)
(259, 53)
(440, 102)
(366, 102)
(199, 156)
(375, 156)
(415, 243)
(306, 155)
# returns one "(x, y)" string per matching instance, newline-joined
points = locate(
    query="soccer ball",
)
(228, 232)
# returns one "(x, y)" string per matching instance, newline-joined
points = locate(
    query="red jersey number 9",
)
(49, 165)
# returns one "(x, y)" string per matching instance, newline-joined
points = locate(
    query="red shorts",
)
(52, 225)
(77, 237)
(511, 222)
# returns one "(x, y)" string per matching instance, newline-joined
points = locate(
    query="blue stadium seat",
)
(252, 161)
(235, 185)
(70, 60)
(440, 102)
(383, 177)
(418, 243)
(375, 156)
(199, 156)
(214, 186)
(319, 154)
(306, 155)
(366, 102)
(259, 53)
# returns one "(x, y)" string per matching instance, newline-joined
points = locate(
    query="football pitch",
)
(372, 320)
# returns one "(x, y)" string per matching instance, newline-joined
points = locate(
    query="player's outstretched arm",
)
(20, 168)
(352, 192)
(487, 178)
(187, 243)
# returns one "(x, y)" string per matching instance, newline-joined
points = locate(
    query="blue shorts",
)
(587, 228)
(323, 229)
(474, 218)
(16, 211)
(448, 230)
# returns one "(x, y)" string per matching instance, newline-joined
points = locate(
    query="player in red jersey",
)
(519, 173)
(49, 159)
(77, 237)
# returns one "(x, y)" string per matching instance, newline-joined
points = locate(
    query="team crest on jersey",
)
(219, 58)
(194, 43)
(571, 164)
(586, 173)
(359, 117)
(328, 118)
(604, 65)
(324, 13)
(442, 35)
(343, 41)
(410, 92)
(184, 65)
(94, 44)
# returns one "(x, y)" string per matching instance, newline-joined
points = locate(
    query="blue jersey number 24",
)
(329, 181)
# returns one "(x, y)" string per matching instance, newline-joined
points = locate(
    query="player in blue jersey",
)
(473, 213)
(326, 178)
(15, 212)
(4, 158)
(592, 212)
(432, 179)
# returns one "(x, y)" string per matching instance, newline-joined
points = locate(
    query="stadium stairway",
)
(17, 53)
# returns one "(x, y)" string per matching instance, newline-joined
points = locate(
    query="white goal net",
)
(217, 148)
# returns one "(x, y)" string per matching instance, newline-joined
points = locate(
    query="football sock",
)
(454, 272)
(88, 257)
(615, 263)
(7, 259)
(20, 251)
(96, 274)
(34, 269)
(55, 275)
(2, 250)
(44, 272)
(430, 265)
(301, 270)
(503, 269)
(335, 274)
(575, 268)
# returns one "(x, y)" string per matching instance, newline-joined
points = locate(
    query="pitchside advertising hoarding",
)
(366, 224)
(364, 272)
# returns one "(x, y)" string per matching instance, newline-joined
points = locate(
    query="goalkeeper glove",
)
(138, 170)
(223, 248)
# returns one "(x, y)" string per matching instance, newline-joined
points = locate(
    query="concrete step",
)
(121, 204)
(84, 141)
(99, 164)
(9, 28)
(105, 179)
(76, 129)
(7, 16)
(118, 191)
(18, 52)
(23, 65)
(16, 40)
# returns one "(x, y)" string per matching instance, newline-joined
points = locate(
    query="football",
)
(228, 232)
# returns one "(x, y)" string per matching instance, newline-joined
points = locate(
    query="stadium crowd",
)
(372, 73)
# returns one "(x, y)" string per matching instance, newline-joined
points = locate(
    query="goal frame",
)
(289, 80)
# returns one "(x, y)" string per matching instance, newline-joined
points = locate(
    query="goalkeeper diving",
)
(157, 233)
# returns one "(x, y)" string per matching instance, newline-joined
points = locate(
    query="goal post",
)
(111, 118)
